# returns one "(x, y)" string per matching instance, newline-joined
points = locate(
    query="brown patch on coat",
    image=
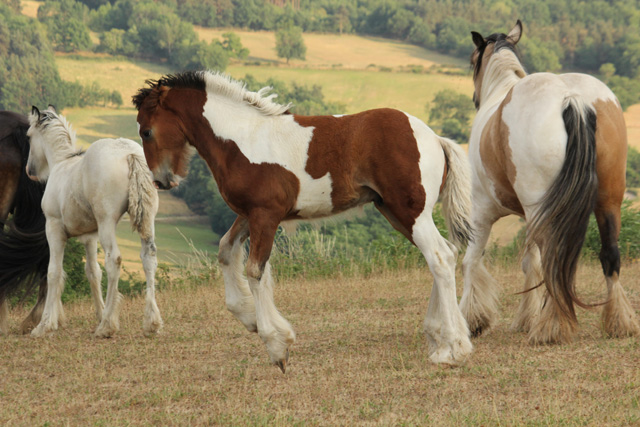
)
(611, 152)
(495, 153)
(371, 156)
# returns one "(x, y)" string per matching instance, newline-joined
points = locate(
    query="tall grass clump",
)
(628, 241)
(360, 246)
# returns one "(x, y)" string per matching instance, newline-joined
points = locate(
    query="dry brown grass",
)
(360, 359)
(348, 51)
(632, 118)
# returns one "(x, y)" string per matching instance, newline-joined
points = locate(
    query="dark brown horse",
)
(24, 253)
(272, 166)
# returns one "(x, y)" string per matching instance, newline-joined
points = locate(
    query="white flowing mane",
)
(503, 71)
(224, 85)
(59, 135)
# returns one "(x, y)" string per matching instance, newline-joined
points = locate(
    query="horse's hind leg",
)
(479, 302)
(618, 317)
(110, 322)
(152, 319)
(531, 301)
(231, 257)
(93, 273)
(446, 328)
(35, 314)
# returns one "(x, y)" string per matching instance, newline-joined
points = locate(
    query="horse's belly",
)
(78, 219)
(314, 199)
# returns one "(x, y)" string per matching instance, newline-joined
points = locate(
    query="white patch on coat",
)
(270, 139)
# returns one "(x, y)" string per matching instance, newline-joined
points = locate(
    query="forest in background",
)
(599, 37)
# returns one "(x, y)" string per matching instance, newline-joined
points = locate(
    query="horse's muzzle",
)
(31, 173)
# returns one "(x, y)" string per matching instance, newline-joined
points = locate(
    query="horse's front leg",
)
(231, 257)
(274, 330)
(53, 314)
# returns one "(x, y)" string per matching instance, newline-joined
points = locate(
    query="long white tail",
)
(143, 197)
(456, 194)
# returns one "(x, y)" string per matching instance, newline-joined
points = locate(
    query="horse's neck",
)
(503, 72)
(60, 150)
(243, 124)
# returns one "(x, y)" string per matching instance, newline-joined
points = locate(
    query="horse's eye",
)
(146, 133)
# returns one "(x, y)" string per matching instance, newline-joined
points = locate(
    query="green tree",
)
(64, 20)
(232, 44)
(451, 112)
(607, 71)
(289, 43)
(538, 56)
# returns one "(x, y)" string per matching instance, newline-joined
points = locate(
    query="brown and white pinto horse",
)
(272, 166)
(551, 149)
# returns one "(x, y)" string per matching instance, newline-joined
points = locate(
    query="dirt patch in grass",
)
(360, 359)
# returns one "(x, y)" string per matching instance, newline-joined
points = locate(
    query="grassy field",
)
(335, 51)
(360, 359)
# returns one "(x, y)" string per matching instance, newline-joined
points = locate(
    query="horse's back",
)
(522, 143)
(105, 172)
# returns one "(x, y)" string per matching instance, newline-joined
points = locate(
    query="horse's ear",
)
(162, 93)
(52, 108)
(478, 40)
(516, 32)
(34, 111)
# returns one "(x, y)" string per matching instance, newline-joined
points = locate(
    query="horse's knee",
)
(224, 254)
(254, 271)
(149, 248)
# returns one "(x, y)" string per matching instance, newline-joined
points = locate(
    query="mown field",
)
(360, 359)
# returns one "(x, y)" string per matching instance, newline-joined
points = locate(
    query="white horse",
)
(86, 195)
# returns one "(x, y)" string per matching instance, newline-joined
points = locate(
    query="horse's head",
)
(37, 164)
(485, 48)
(166, 146)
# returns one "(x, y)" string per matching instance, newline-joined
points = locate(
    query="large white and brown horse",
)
(551, 149)
(272, 166)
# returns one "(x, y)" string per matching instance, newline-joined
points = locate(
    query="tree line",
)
(560, 34)
(28, 72)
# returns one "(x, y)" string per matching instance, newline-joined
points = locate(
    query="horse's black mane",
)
(500, 41)
(185, 80)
